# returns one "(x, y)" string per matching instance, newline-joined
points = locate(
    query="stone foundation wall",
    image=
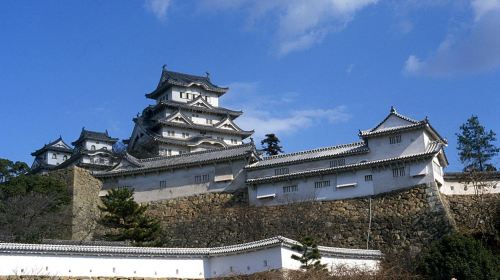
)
(474, 214)
(84, 189)
(401, 222)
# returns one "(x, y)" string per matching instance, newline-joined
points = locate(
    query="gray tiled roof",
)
(201, 127)
(94, 135)
(327, 152)
(464, 176)
(187, 107)
(169, 78)
(83, 250)
(50, 147)
(391, 130)
(394, 129)
(188, 159)
(432, 150)
(393, 112)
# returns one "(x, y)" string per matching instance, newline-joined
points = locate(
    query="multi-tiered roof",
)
(186, 118)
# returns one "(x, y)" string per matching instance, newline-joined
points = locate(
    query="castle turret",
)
(51, 155)
(185, 118)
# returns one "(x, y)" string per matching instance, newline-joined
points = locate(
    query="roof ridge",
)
(393, 112)
(353, 165)
(371, 131)
(314, 150)
(194, 153)
(185, 74)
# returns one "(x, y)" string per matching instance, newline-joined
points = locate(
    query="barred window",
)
(398, 172)
(163, 184)
(395, 139)
(281, 171)
(337, 162)
(171, 133)
(368, 178)
(291, 188)
(321, 184)
(204, 178)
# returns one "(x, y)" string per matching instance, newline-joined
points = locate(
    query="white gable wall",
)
(59, 157)
(393, 121)
(412, 142)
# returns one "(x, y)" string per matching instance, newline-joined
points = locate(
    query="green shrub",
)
(460, 257)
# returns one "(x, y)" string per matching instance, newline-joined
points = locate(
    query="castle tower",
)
(186, 117)
(50, 156)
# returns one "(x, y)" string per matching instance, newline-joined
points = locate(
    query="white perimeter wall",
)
(330, 261)
(197, 267)
(459, 188)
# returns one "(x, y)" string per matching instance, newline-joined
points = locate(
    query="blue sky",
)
(313, 72)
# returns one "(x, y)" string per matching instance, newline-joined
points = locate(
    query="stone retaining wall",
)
(84, 189)
(401, 222)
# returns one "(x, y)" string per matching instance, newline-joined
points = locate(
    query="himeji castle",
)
(186, 144)
(186, 117)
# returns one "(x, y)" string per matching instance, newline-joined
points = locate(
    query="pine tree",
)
(310, 258)
(271, 145)
(476, 146)
(126, 218)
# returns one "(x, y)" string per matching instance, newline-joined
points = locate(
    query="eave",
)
(333, 170)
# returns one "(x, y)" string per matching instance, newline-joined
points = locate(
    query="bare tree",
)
(33, 217)
(482, 183)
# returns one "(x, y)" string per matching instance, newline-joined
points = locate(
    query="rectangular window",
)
(163, 184)
(171, 133)
(204, 178)
(234, 141)
(54, 156)
(195, 115)
(220, 138)
(337, 162)
(395, 139)
(321, 184)
(398, 172)
(209, 121)
(185, 135)
(281, 171)
(289, 189)
(368, 178)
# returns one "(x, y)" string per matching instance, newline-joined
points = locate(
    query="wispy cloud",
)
(266, 121)
(158, 7)
(476, 50)
(299, 24)
(271, 114)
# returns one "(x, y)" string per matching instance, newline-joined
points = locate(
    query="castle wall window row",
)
(337, 162)
(281, 171)
(291, 188)
(321, 184)
(398, 172)
(204, 178)
(395, 139)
